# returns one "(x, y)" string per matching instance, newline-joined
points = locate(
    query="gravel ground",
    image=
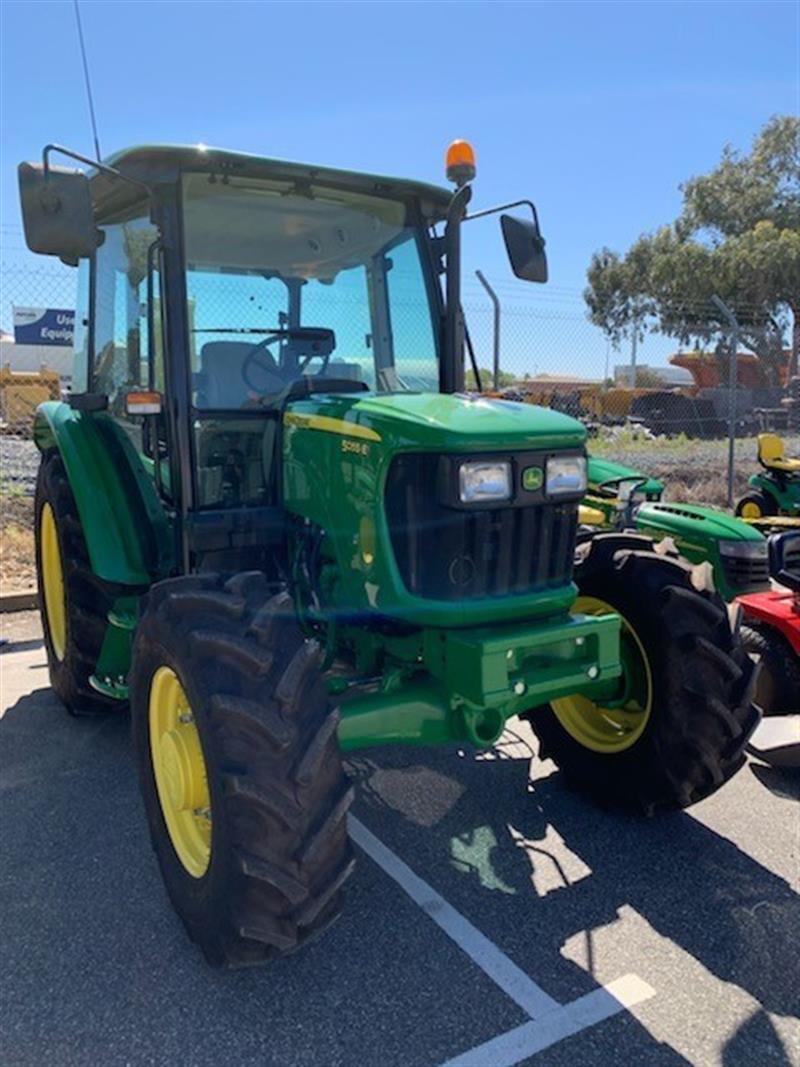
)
(19, 461)
(17, 567)
(692, 470)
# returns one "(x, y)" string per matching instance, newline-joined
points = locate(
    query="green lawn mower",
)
(619, 498)
(776, 488)
(271, 522)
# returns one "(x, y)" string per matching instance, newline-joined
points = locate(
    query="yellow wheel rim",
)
(55, 604)
(751, 510)
(615, 724)
(180, 771)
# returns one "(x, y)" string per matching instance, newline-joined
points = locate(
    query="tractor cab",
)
(218, 288)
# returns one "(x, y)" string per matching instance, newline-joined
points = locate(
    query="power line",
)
(87, 80)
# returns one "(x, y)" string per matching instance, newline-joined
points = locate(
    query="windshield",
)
(285, 283)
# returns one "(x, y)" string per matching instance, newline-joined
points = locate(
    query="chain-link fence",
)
(659, 410)
(689, 416)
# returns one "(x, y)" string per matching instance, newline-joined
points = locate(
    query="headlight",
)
(565, 475)
(744, 549)
(484, 480)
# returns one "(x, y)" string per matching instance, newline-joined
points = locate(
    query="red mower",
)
(771, 630)
(771, 634)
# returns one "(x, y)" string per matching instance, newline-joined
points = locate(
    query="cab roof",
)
(163, 164)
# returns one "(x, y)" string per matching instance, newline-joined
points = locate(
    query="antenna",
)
(87, 80)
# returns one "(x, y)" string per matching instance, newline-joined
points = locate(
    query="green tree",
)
(504, 378)
(738, 236)
(646, 378)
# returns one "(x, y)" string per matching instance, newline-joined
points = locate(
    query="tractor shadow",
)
(757, 1032)
(784, 782)
(692, 885)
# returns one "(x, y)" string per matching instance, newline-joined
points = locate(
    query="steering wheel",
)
(259, 358)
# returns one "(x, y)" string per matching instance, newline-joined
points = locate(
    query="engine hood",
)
(696, 522)
(439, 422)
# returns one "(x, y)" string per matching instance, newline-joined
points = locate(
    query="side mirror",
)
(57, 211)
(525, 248)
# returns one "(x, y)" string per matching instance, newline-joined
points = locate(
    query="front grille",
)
(743, 574)
(448, 553)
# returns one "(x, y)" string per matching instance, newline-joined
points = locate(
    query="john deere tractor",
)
(271, 520)
(619, 498)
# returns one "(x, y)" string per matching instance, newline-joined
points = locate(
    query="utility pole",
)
(733, 323)
(634, 339)
(496, 339)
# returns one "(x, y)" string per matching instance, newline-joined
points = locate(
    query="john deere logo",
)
(532, 478)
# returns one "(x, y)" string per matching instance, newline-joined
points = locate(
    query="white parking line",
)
(551, 1021)
(503, 972)
(523, 1041)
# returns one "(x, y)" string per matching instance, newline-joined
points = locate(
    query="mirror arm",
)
(505, 207)
(103, 167)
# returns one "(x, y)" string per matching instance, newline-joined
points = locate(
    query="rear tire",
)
(73, 642)
(278, 797)
(778, 685)
(700, 711)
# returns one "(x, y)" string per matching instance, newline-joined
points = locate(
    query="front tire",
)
(244, 756)
(675, 728)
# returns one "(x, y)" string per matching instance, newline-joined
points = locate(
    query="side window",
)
(80, 343)
(121, 363)
(413, 335)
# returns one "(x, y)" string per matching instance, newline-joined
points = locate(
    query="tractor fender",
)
(124, 523)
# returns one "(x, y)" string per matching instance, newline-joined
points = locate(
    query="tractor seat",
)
(219, 382)
(771, 455)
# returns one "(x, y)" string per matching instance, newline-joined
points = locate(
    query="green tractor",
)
(619, 498)
(775, 490)
(270, 519)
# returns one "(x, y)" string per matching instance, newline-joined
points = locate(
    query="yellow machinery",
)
(21, 392)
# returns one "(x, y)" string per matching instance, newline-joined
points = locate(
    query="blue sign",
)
(44, 326)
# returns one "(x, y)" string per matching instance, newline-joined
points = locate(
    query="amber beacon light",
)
(460, 163)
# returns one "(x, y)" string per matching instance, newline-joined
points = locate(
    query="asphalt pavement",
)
(495, 917)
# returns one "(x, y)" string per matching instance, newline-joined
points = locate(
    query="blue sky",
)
(595, 110)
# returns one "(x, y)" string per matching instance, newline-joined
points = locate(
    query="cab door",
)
(128, 341)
